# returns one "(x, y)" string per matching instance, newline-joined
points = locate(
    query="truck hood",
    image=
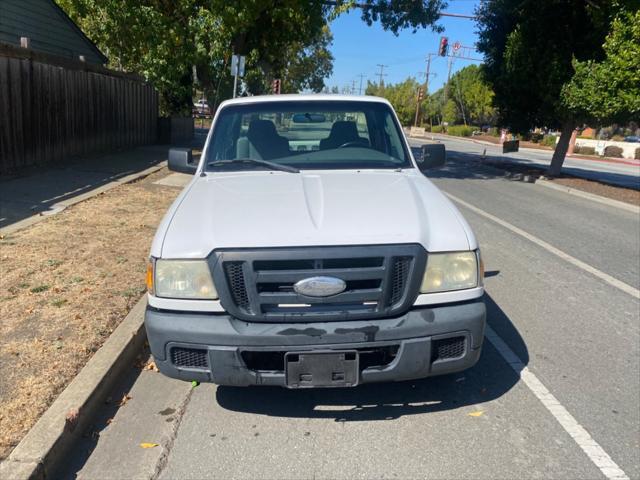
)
(273, 209)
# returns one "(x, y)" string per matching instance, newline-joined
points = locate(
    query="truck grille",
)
(258, 285)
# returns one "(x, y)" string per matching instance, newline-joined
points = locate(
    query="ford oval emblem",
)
(320, 286)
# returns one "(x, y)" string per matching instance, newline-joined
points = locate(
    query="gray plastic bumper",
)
(225, 338)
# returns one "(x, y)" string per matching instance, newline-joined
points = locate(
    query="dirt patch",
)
(66, 284)
(627, 195)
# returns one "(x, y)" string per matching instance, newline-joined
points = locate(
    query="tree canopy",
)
(181, 43)
(531, 49)
(609, 91)
(469, 99)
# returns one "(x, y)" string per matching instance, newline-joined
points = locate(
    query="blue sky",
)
(357, 49)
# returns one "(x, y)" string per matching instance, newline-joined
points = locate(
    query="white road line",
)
(591, 448)
(614, 282)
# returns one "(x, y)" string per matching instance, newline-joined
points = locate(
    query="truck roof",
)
(306, 98)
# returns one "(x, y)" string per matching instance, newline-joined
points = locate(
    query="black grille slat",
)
(189, 357)
(367, 273)
(257, 284)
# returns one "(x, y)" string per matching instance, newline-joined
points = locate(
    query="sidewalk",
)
(24, 200)
(52, 189)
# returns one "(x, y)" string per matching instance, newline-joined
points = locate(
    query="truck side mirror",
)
(432, 155)
(181, 160)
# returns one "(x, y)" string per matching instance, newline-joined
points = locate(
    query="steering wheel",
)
(355, 143)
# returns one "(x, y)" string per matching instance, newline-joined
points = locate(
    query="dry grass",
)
(65, 284)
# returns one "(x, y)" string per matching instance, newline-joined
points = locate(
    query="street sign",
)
(241, 66)
(237, 65)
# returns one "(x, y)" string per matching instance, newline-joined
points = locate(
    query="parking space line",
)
(589, 446)
(614, 282)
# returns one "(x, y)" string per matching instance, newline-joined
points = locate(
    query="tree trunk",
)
(561, 149)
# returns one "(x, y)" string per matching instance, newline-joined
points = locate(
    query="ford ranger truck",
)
(310, 250)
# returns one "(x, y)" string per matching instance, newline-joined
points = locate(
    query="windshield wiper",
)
(253, 161)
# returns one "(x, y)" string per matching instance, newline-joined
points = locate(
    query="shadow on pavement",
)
(489, 379)
(470, 166)
(43, 189)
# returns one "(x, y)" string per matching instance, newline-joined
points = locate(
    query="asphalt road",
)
(556, 393)
(624, 174)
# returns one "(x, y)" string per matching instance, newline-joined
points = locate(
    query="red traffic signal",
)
(444, 46)
(275, 86)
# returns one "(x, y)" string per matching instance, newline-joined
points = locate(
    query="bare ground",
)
(65, 285)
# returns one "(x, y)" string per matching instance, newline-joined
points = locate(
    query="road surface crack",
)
(167, 445)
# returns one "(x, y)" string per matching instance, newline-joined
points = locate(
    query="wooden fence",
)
(54, 109)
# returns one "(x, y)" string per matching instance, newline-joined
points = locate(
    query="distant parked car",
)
(201, 107)
(632, 138)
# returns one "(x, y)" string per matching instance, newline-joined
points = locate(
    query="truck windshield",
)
(307, 135)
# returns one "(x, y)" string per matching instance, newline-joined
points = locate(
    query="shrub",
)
(460, 130)
(613, 151)
(493, 131)
(536, 137)
(584, 150)
(436, 129)
(549, 141)
(637, 154)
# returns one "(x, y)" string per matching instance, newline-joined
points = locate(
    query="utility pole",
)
(353, 87)
(362, 75)
(446, 88)
(426, 87)
(382, 67)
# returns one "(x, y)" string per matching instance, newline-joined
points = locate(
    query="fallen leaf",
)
(151, 366)
(124, 400)
(109, 420)
(148, 445)
(476, 414)
(70, 420)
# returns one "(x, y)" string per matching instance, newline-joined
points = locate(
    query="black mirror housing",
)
(432, 155)
(181, 160)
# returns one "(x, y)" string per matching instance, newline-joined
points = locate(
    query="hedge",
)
(585, 150)
(613, 151)
(461, 130)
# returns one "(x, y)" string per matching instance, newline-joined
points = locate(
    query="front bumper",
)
(225, 344)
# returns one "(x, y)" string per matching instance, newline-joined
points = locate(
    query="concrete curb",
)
(596, 198)
(59, 207)
(45, 446)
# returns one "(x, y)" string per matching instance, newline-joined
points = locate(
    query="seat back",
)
(264, 141)
(342, 131)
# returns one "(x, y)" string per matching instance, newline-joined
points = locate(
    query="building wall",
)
(48, 28)
(628, 148)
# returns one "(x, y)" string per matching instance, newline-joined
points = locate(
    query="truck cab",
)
(310, 250)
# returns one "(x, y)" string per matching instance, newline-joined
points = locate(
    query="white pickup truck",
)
(310, 250)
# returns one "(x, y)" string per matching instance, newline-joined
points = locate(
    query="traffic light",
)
(275, 86)
(444, 46)
(420, 94)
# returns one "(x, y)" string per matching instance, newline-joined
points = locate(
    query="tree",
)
(403, 97)
(164, 40)
(609, 91)
(529, 48)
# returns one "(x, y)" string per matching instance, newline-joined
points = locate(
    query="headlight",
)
(450, 271)
(183, 279)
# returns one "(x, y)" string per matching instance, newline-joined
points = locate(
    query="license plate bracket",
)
(322, 369)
